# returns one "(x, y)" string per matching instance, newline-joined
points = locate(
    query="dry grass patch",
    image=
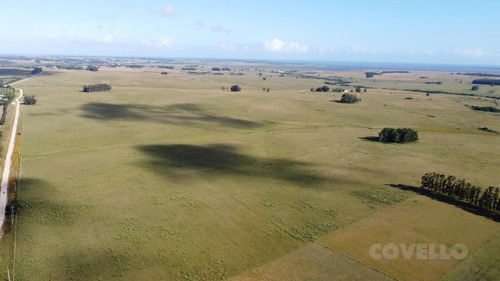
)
(312, 262)
(417, 220)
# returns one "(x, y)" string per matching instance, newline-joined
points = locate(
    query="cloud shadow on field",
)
(177, 114)
(37, 205)
(224, 159)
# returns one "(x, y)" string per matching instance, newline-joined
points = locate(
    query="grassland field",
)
(168, 177)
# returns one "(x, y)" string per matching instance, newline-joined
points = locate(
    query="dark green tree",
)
(235, 88)
(30, 100)
(37, 70)
(349, 98)
(92, 68)
(96, 88)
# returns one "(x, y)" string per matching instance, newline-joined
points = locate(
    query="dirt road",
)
(8, 163)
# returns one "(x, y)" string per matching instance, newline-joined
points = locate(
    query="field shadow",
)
(178, 114)
(92, 264)
(37, 205)
(14, 72)
(370, 138)
(445, 199)
(225, 159)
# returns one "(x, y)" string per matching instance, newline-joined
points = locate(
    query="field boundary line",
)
(4, 185)
(355, 260)
(470, 256)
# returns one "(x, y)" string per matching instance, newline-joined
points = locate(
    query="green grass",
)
(6, 91)
(481, 265)
(460, 84)
(417, 220)
(171, 178)
(6, 80)
(312, 262)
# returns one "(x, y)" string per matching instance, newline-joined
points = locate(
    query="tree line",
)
(96, 88)
(484, 108)
(479, 74)
(400, 135)
(462, 191)
(5, 104)
(486, 81)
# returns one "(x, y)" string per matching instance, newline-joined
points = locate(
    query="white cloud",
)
(277, 45)
(157, 41)
(166, 11)
(473, 52)
(227, 47)
(359, 49)
(108, 39)
(220, 28)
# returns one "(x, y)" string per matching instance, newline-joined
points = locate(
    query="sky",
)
(424, 31)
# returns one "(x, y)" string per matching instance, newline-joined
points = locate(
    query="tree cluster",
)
(349, 98)
(69, 67)
(460, 190)
(30, 100)
(166, 66)
(92, 68)
(235, 88)
(5, 107)
(400, 135)
(37, 70)
(486, 81)
(96, 88)
(321, 89)
(485, 108)
(479, 74)
(475, 88)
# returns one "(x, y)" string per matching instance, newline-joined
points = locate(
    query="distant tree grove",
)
(486, 81)
(92, 68)
(235, 88)
(37, 70)
(323, 89)
(30, 100)
(462, 191)
(349, 98)
(399, 135)
(5, 104)
(97, 88)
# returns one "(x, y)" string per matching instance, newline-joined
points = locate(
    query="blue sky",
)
(457, 32)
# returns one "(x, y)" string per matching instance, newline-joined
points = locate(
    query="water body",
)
(343, 66)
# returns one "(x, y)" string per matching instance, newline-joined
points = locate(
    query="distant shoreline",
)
(302, 64)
